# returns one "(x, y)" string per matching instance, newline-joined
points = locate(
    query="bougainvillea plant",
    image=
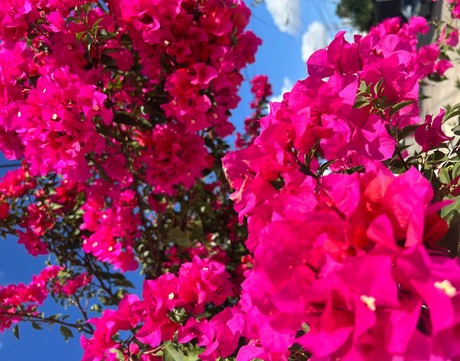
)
(327, 234)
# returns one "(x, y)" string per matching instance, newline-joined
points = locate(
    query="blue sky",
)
(290, 30)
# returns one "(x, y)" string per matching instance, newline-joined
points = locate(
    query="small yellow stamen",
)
(171, 296)
(54, 116)
(19, 114)
(368, 301)
(447, 287)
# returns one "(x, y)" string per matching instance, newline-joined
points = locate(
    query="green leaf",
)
(406, 131)
(456, 170)
(124, 283)
(325, 166)
(444, 175)
(305, 327)
(397, 107)
(451, 111)
(96, 24)
(36, 326)
(118, 354)
(360, 103)
(57, 316)
(352, 170)
(79, 35)
(177, 236)
(448, 212)
(456, 130)
(16, 331)
(66, 332)
(173, 353)
(451, 115)
(56, 206)
(108, 301)
(378, 87)
(123, 118)
(363, 86)
(108, 61)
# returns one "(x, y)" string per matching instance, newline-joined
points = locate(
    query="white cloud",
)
(285, 14)
(314, 39)
(287, 86)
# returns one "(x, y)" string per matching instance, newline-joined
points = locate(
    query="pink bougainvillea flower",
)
(429, 135)
(202, 281)
(220, 335)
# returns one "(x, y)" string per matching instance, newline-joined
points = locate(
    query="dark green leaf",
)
(107, 301)
(177, 236)
(36, 326)
(117, 276)
(451, 115)
(397, 107)
(456, 129)
(66, 332)
(123, 118)
(352, 170)
(124, 283)
(360, 104)
(108, 61)
(406, 131)
(325, 166)
(415, 159)
(16, 331)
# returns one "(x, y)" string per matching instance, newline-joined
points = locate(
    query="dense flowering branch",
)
(117, 111)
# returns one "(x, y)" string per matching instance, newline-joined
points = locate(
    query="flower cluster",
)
(69, 286)
(22, 300)
(360, 269)
(190, 43)
(166, 302)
